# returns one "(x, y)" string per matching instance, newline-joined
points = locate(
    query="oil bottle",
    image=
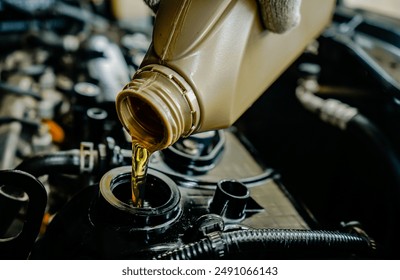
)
(208, 62)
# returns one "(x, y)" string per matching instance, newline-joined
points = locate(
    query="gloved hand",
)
(278, 16)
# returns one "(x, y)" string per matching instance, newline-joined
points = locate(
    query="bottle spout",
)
(158, 107)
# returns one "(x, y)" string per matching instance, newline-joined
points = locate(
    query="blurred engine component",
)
(280, 180)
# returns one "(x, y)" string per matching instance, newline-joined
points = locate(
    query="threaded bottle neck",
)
(158, 107)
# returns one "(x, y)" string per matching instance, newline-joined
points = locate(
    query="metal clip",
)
(86, 157)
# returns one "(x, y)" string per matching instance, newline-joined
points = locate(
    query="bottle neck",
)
(158, 107)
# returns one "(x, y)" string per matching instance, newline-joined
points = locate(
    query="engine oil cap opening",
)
(161, 199)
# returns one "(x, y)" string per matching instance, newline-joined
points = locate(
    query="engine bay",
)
(281, 183)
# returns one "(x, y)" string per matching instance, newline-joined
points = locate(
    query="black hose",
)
(20, 245)
(4, 87)
(387, 157)
(347, 118)
(28, 124)
(67, 162)
(270, 243)
(369, 133)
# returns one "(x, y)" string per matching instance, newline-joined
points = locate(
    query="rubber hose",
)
(4, 87)
(386, 157)
(367, 131)
(267, 242)
(67, 162)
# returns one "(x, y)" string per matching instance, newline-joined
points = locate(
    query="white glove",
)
(278, 16)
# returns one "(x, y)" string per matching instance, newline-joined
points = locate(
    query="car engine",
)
(289, 180)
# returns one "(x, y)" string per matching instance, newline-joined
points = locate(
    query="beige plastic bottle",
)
(208, 63)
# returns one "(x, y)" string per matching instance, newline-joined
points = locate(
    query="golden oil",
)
(140, 160)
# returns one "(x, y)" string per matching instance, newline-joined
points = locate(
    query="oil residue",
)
(140, 160)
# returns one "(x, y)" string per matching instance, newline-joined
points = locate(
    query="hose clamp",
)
(217, 243)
